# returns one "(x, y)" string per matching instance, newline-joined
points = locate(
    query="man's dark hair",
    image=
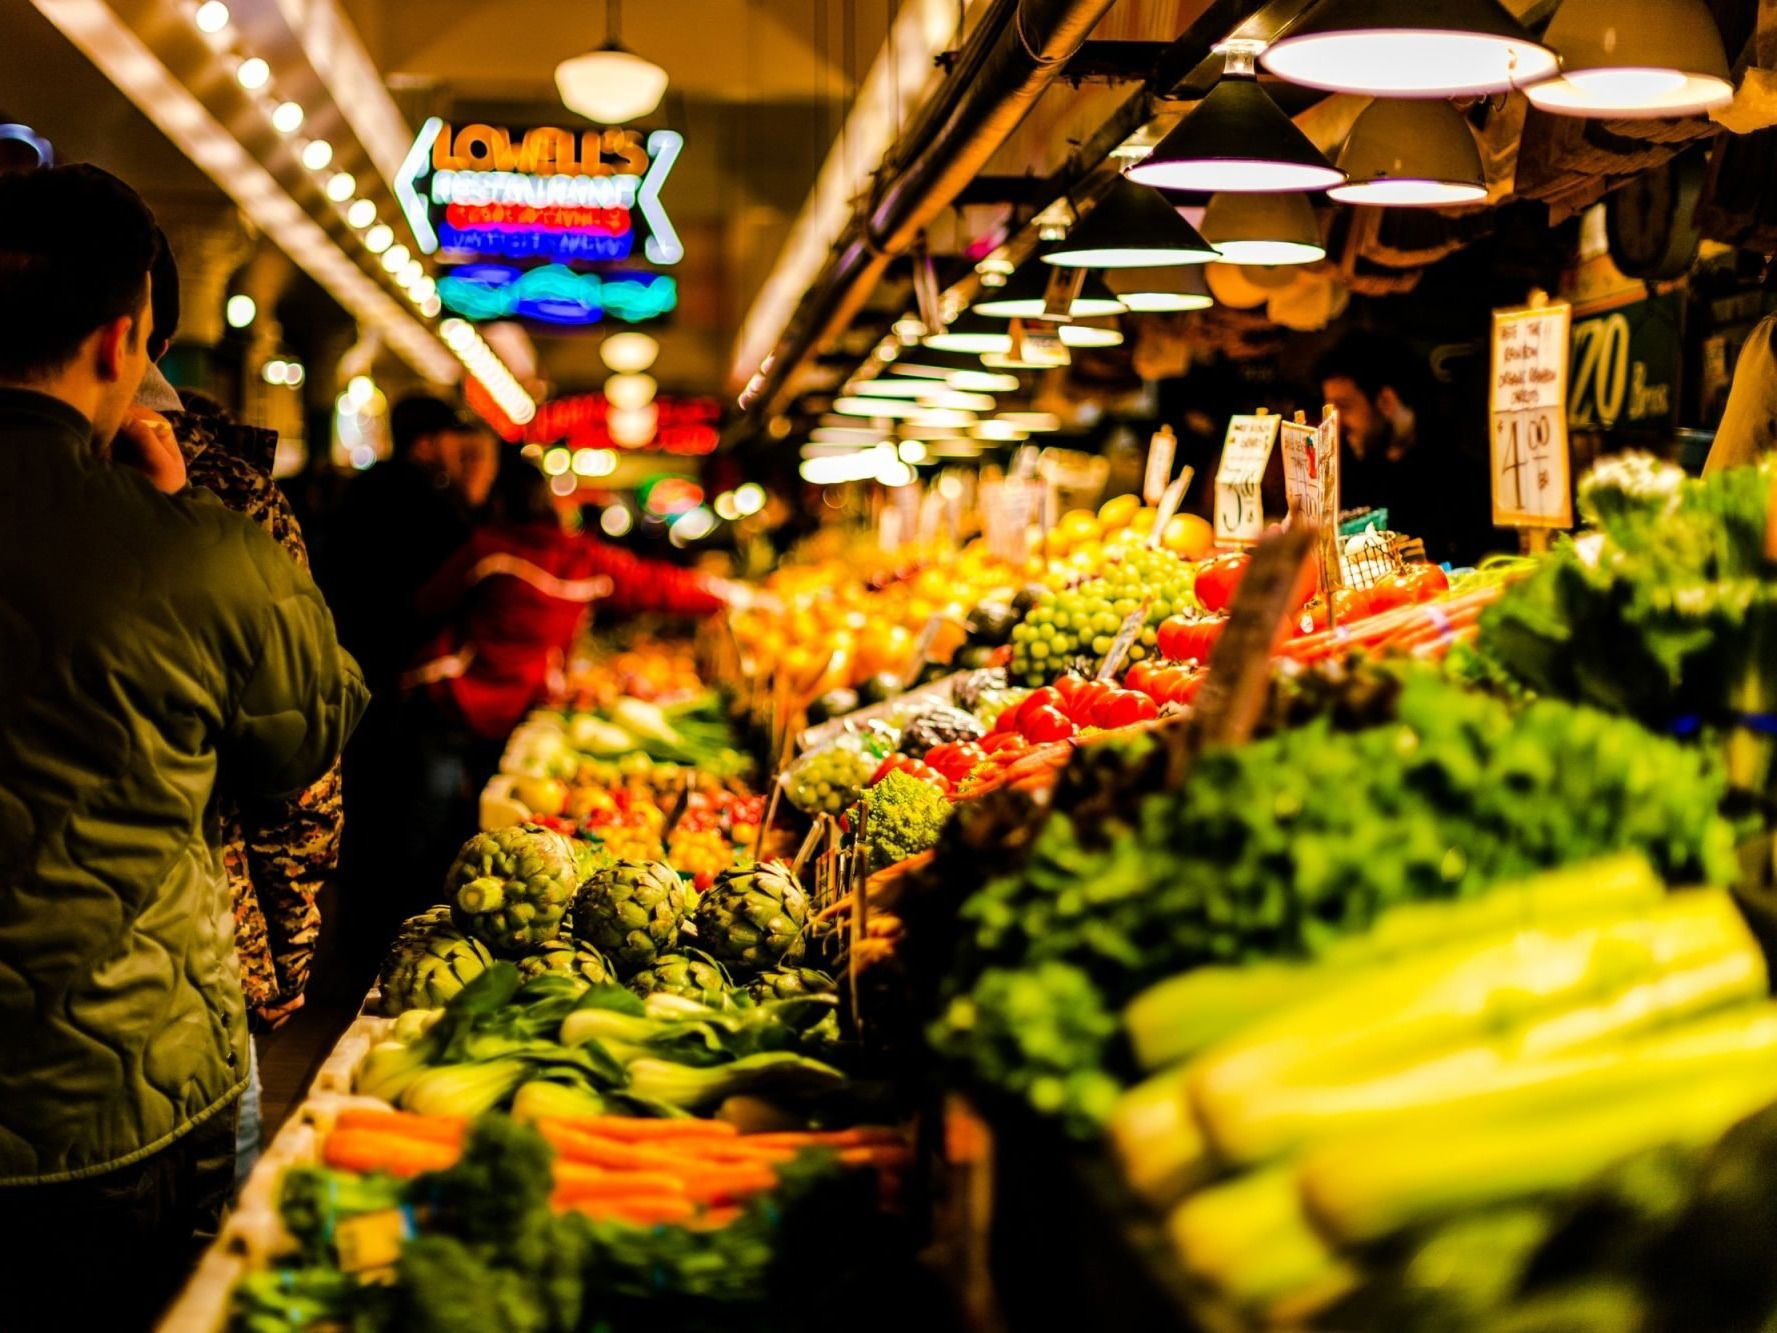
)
(163, 298)
(76, 244)
(521, 494)
(412, 419)
(1374, 362)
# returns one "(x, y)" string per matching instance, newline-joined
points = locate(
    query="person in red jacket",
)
(512, 599)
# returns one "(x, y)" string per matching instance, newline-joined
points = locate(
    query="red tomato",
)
(1176, 685)
(1046, 724)
(1395, 590)
(1217, 579)
(1003, 742)
(1138, 676)
(1189, 639)
(1427, 581)
(1046, 697)
(1122, 708)
(1083, 707)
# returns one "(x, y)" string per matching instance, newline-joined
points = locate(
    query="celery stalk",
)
(1179, 1017)
(1364, 1189)
(1251, 1244)
(540, 1099)
(1466, 1009)
(1155, 1135)
(464, 1090)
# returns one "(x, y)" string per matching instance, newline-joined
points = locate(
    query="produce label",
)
(1532, 487)
(1311, 480)
(1161, 449)
(1169, 505)
(371, 1241)
(1132, 623)
(1246, 453)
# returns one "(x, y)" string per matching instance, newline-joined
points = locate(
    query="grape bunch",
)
(829, 780)
(1083, 620)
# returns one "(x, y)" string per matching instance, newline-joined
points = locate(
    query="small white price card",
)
(1161, 448)
(1311, 481)
(1240, 518)
(1531, 482)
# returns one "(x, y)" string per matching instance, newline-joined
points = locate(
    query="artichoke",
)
(566, 958)
(939, 726)
(789, 983)
(511, 888)
(431, 961)
(693, 975)
(753, 917)
(631, 912)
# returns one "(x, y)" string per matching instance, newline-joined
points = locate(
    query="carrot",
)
(733, 1151)
(859, 1137)
(575, 1180)
(435, 1128)
(611, 1153)
(364, 1151)
(639, 1212)
(881, 1155)
(730, 1185)
(639, 1129)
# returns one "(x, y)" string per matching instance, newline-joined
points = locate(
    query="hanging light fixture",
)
(1132, 227)
(1236, 138)
(1410, 48)
(890, 386)
(612, 84)
(1158, 291)
(1635, 58)
(1408, 154)
(1023, 297)
(981, 336)
(1266, 229)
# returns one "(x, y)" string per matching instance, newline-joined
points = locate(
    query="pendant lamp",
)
(1154, 291)
(1023, 297)
(1132, 227)
(1236, 138)
(1634, 59)
(889, 386)
(1264, 229)
(1410, 48)
(1410, 154)
(954, 369)
(982, 336)
(612, 84)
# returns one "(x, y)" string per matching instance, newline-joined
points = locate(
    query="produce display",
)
(1428, 992)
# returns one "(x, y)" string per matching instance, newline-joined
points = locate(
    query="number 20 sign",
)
(1531, 473)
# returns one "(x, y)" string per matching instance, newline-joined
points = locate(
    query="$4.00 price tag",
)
(1532, 486)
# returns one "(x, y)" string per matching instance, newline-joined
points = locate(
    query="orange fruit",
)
(1189, 536)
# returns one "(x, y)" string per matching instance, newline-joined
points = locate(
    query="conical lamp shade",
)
(610, 85)
(1265, 229)
(1022, 296)
(1411, 154)
(1635, 58)
(1410, 48)
(982, 336)
(1132, 227)
(1152, 291)
(1238, 139)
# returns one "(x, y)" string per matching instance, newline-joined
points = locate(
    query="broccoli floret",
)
(905, 817)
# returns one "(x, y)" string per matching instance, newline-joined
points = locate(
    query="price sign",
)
(1125, 640)
(1311, 481)
(1161, 449)
(1531, 473)
(1169, 504)
(1246, 453)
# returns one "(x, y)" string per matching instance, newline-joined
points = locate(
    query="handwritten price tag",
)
(1532, 476)
(1246, 453)
(1161, 449)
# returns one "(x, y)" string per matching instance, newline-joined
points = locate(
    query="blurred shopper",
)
(278, 853)
(479, 465)
(1432, 486)
(397, 524)
(1748, 429)
(510, 602)
(148, 639)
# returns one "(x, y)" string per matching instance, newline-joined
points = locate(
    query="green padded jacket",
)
(147, 643)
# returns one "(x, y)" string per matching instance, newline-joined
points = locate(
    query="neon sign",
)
(556, 295)
(473, 192)
(685, 426)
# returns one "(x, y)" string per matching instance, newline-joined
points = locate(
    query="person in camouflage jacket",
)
(278, 854)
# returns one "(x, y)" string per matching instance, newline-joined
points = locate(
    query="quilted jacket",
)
(146, 643)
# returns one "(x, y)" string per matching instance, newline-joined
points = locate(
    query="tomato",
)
(1046, 697)
(1003, 742)
(1122, 708)
(1138, 676)
(913, 768)
(1427, 581)
(1083, 707)
(1349, 603)
(1068, 687)
(1387, 594)
(1189, 639)
(1217, 579)
(1176, 685)
(1045, 724)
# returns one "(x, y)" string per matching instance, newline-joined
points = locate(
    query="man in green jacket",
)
(148, 639)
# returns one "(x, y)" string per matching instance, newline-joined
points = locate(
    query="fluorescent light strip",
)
(330, 44)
